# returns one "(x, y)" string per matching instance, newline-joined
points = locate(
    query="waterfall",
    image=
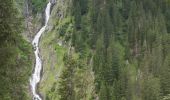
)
(35, 78)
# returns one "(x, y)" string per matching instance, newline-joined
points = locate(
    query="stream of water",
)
(36, 76)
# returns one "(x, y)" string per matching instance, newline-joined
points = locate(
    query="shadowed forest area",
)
(15, 54)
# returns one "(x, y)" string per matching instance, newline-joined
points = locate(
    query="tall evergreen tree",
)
(66, 85)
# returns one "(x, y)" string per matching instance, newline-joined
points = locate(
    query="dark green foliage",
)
(15, 55)
(165, 86)
(138, 27)
(129, 42)
(104, 93)
(151, 89)
(66, 85)
(84, 6)
(38, 5)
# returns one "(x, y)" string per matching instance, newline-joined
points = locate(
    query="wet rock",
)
(53, 1)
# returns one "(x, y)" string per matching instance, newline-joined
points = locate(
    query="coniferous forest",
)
(15, 54)
(90, 49)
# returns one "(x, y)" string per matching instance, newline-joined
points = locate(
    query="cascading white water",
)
(35, 79)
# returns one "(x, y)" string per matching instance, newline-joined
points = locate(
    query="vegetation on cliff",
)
(128, 42)
(92, 49)
(38, 5)
(15, 55)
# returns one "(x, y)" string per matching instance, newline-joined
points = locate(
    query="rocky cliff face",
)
(32, 22)
(53, 1)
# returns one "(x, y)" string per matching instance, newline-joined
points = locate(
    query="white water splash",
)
(35, 79)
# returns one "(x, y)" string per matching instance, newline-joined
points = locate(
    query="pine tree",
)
(15, 63)
(104, 92)
(66, 85)
(165, 72)
(151, 89)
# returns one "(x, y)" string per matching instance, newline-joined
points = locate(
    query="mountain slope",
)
(91, 49)
(124, 42)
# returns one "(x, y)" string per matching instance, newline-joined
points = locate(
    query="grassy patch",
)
(52, 61)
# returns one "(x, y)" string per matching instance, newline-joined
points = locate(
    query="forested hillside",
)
(125, 42)
(130, 40)
(90, 50)
(15, 54)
